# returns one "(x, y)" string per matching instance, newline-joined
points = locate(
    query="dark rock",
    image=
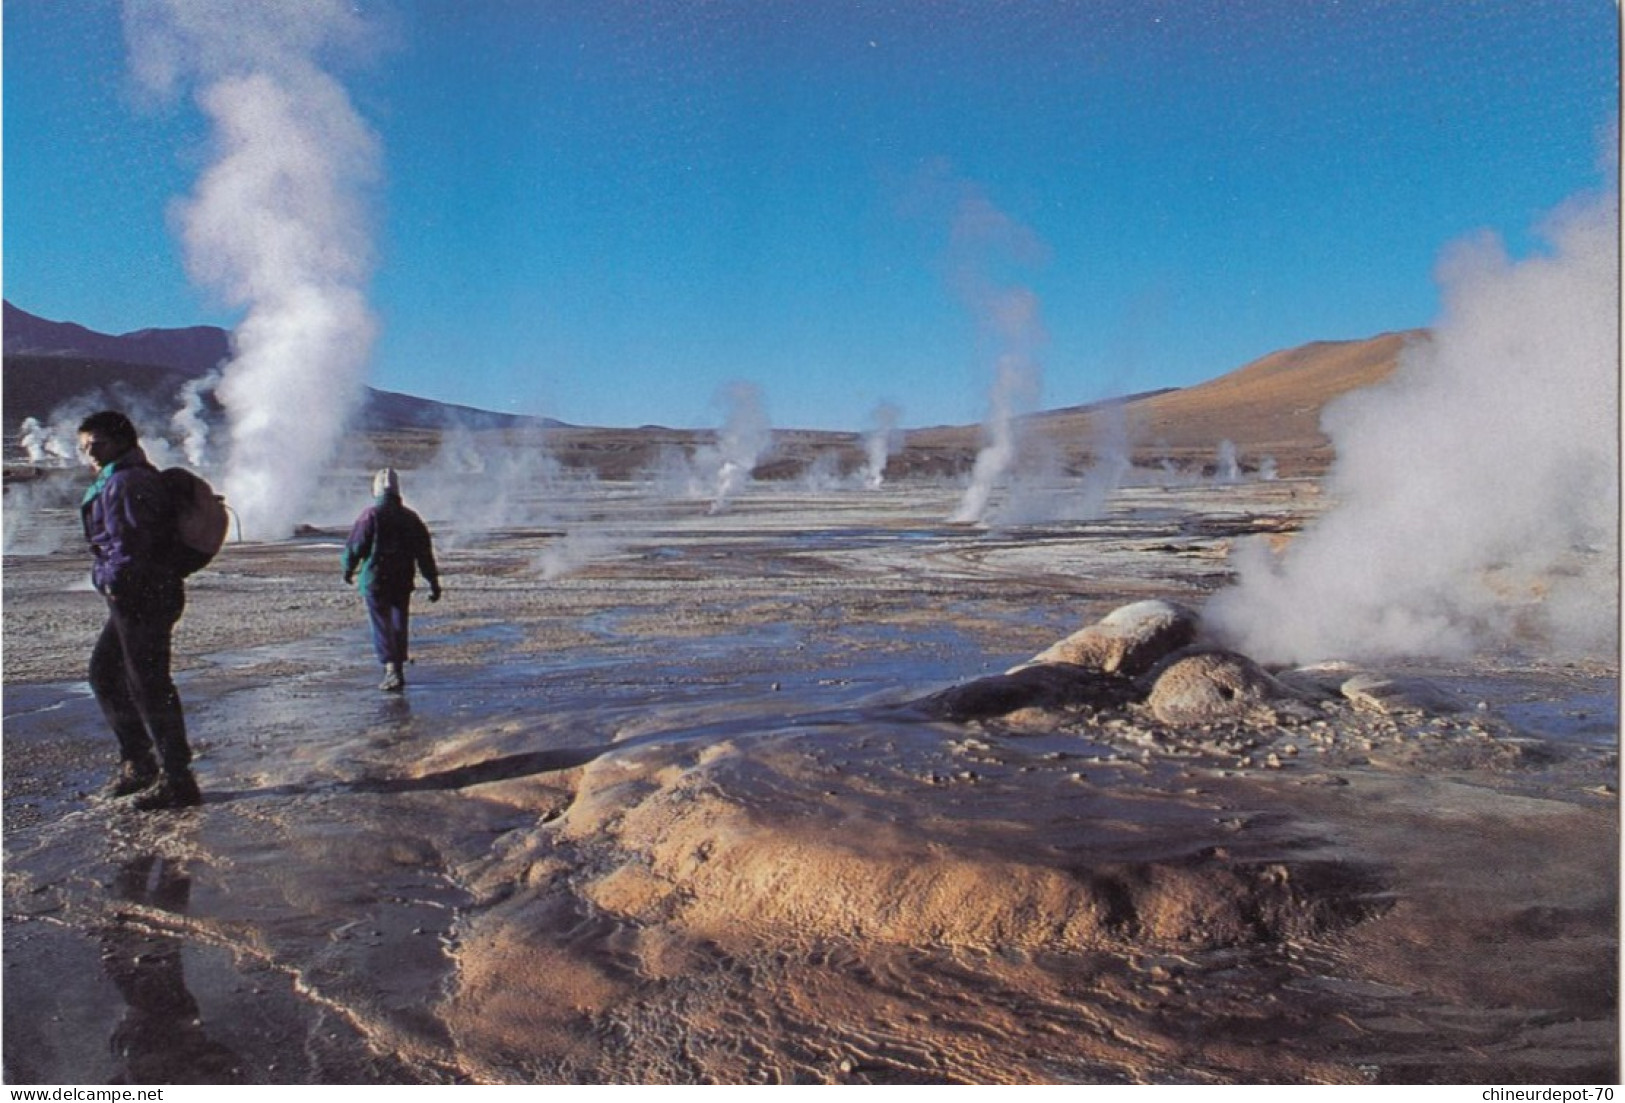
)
(1051, 686)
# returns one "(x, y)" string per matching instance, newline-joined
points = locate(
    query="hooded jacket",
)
(387, 544)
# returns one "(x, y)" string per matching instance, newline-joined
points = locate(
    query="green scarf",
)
(102, 476)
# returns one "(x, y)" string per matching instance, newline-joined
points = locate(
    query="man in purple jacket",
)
(129, 522)
(389, 545)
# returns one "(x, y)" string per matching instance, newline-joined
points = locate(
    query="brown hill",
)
(1270, 407)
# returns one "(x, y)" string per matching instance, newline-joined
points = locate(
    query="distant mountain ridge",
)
(194, 350)
(49, 363)
(1268, 408)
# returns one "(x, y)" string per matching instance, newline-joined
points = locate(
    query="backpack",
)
(201, 519)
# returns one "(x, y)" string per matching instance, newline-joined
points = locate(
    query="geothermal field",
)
(770, 793)
(1261, 730)
(1092, 747)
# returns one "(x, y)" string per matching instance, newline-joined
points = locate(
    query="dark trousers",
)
(129, 673)
(390, 616)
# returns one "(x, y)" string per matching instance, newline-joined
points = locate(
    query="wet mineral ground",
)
(676, 814)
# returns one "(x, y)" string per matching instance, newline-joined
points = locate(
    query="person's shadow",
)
(159, 1039)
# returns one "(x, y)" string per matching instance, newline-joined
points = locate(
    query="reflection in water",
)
(393, 720)
(394, 709)
(160, 1039)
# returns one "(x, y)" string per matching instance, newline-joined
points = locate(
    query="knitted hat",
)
(386, 482)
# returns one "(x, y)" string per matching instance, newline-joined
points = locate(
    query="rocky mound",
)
(1209, 687)
(891, 834)
(739, 844)
(1143, 662)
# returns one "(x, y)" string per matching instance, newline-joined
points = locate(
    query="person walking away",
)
(389, 544)
(130, 524)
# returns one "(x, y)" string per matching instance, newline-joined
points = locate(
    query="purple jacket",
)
(388, 545)
(129, 523)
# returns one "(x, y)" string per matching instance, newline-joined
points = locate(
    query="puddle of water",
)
(127, 998)
(1562, 707)
(1587, 718)
(20, 701)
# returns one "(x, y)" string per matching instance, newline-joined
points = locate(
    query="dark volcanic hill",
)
(193, 351)
(49, 365)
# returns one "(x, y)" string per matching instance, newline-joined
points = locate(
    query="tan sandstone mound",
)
(733, 841)
(1129, 640)
(1209, 687)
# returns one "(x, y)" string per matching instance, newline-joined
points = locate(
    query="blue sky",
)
(606, 211)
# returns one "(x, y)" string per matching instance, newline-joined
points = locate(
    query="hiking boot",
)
(132, 777)
(172, 791)
(394, 679)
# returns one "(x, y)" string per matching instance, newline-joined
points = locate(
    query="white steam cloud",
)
(41, 514)
(51, 445)
(882, 440)
(577, 548)
(718, 472)
(276, 227)
(983, 239)
(823, 474)
(188, 422)
(1014, 394)
(1045, 491)
(1477, 489)
(483, 481)
(745, 437)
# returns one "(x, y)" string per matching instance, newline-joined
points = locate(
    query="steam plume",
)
(275, 227)
(880, 443)
(745, 437)
(577, 548)
(46, 444)
(189, 422)
(823, 474)
(1049, 493)
(480, 481)
(1009, 316)
(1478, 487)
